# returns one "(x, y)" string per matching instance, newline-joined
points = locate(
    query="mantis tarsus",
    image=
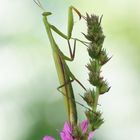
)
(64, 74)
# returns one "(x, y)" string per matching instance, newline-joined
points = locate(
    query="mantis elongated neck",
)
(50, 36)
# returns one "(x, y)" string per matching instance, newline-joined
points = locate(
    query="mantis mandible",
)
(64, 74)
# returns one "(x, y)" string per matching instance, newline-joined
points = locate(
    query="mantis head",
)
(46, 14)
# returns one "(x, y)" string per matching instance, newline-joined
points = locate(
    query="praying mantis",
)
(65, 76)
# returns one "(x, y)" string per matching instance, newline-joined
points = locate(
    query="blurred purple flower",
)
(48, 138)
(66, 133)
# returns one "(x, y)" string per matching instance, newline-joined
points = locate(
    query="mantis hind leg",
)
(80, 83)
(70, 101)
(74, 78)
(71, 75)
(69, 98)
(61, 86)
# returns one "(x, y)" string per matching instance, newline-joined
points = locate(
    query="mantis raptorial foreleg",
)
(70, 24)
(69, 32)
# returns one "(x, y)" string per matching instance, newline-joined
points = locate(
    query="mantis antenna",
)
(38, 3)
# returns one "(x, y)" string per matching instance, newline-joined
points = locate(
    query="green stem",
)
(96, 99)
(98, 67)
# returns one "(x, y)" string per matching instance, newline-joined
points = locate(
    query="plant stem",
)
(97, 92)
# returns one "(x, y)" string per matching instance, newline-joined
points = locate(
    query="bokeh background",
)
(30, 105)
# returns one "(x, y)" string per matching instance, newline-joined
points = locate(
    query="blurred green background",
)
(30, 105)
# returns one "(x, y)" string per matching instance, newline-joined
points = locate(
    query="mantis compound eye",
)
(46, 13)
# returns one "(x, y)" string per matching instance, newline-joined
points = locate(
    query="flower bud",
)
(94, 50)
(94, 119)
(94, 78)
(104, 88)
(89, 97)
(103, 57)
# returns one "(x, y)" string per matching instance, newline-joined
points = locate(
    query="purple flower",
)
(84, 126)
(48, 138)
(66, 133)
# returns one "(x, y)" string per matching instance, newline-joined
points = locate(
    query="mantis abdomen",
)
(67, 90)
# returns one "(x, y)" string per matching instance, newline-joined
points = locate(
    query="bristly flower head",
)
(98, 57)
(69, 133)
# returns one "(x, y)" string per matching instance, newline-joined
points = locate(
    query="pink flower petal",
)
(84, 126)
(91, 135)
(67, 128)
(48, 138)
(65, 137)
(66, 133)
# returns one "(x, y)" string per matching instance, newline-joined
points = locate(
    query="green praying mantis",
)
(65, 76)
